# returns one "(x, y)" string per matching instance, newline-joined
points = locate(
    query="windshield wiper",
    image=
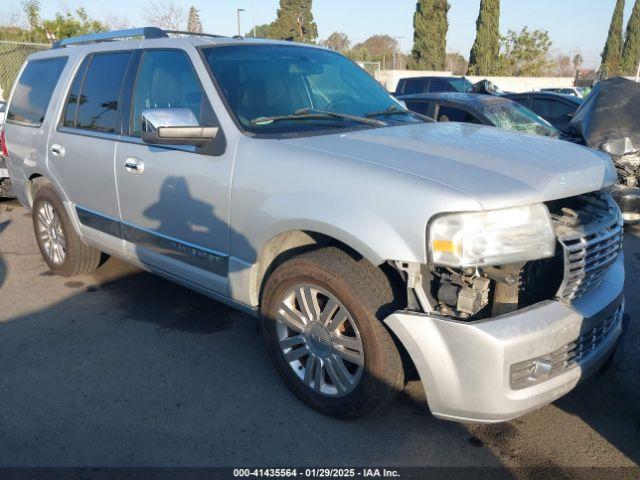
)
(310, 113)
(393, 110)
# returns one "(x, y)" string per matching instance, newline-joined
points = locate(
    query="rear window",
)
(34, 89)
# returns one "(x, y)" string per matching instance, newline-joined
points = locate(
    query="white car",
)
(573, 91)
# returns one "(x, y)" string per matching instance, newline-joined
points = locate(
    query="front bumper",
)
(465, 367)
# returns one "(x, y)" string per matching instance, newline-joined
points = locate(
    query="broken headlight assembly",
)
(494, 237)
(477, 259)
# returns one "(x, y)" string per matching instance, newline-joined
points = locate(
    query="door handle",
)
(57, 150)
(134, 165)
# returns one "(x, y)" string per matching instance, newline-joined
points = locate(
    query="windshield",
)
(513, 116)
(263, 81)
(461, 84)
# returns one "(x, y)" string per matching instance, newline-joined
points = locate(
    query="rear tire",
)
(61, 247)
(357, 369)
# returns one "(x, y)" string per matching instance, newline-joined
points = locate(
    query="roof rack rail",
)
(193, 34)
(146, 32)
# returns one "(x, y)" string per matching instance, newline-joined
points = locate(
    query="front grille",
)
(590, 234)
(525, 374)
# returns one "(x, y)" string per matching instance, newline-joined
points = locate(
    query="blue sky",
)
(573, 24)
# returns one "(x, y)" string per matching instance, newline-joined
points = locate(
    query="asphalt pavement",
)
(122, 368)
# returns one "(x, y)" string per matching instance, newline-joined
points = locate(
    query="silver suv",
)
(371, 242)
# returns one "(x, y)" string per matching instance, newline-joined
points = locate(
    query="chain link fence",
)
(12, 56)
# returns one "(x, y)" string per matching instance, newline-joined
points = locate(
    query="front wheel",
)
(321, 316)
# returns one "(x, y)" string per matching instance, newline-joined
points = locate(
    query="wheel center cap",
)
(318, 340)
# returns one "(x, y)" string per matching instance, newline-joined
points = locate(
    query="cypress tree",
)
(613, 47)
(483, 59)
(193, 23)
(295, 22)
(430, 26)
(631, 50)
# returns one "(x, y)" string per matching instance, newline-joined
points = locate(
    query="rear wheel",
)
(61, 247)
(321, 316)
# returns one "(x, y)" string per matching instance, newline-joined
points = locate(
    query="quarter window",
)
(167, 79)
(34, 89)
(95, 107)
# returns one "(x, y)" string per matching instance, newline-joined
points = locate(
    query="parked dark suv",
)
(408, 86)
(555, 108)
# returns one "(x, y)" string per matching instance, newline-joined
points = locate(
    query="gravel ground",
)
(121, 368)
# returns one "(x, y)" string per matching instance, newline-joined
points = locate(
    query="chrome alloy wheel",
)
(50, 233)
(320, 341)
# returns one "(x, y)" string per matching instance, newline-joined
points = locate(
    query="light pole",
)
(638, 73)
(238, 12)
(253, 14)
(394, 50)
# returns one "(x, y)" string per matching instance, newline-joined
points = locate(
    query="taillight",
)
(3, 143)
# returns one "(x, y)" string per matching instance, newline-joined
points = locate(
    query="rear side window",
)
(451, 114)
(421, 107)
(34, 89)
(71, 109)
(93, 100)
(167, 79)
(438, 85)
(415, 85)
(551, 108)
(524, 101)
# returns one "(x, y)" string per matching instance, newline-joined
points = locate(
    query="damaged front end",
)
(608, 120)
(626, 157)
(586, 233)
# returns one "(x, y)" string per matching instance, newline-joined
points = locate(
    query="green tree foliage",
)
(613, 47)
(631, 49)
(375, 48)
(31, 10)
(294, 22)
(456, 64)
(525, 53)
(483, 59)
(430, 26)
(71, 24)
(262, 31)
(193, 22)
(337, 41)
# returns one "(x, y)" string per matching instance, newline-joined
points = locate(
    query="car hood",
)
(496, 167)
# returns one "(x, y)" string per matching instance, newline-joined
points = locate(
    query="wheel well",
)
(36, 181)
(292, 243)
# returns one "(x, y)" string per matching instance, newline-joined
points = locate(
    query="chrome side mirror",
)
(174, 126)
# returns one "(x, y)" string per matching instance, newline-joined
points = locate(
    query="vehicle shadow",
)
(3, 265)
(135, 370)
(129, 369)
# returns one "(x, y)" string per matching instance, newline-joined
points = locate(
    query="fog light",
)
(525, 374)
(540, 370)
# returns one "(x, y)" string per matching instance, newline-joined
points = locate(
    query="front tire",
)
(61, 247)
(322, 317)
